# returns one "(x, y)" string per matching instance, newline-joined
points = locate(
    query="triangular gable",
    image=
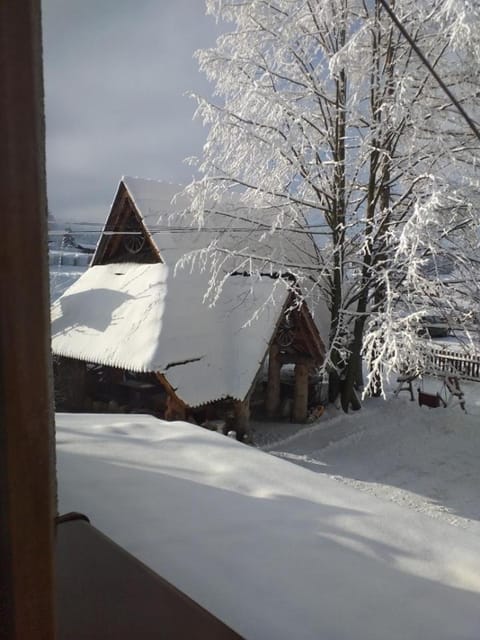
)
(165, 212)
(125, 237)
(297, 333)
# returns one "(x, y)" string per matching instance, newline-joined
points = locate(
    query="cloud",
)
(115, 77)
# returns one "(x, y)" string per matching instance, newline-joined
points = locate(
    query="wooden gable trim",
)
(312, 330)
(176, 407)
(110, 225)
(316, 347)
(141, 221)
(148, 236)
(269, 345)
(123, 206)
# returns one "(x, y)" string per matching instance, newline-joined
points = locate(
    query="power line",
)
(432, 71)
(167, 229)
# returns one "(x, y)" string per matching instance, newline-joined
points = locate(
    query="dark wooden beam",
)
(315, 340)
(118, 208)
(148, 235)
(241, 409)
(300, 397)
(176, 408)
(27, 478)
(122, 209)
(104, 593)
(272, 404)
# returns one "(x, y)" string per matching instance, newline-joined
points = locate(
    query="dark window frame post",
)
(27, 463)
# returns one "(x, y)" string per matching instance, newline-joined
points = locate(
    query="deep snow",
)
(276, 551)
(425, 459)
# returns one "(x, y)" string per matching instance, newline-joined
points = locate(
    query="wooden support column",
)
(272, 404)
(241, 411)
(300, 400)
(27, 469)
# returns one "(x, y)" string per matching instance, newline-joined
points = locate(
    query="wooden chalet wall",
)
(296, 341)
(125, 238)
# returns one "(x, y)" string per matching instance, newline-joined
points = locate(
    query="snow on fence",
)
(466, 366)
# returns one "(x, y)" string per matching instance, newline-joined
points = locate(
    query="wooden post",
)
(300, 400)
(273, 383)
(241, 411)
(27, 462)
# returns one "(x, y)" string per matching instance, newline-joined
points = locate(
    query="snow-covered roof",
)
(274, 550)
(141, 317)
(233, 225)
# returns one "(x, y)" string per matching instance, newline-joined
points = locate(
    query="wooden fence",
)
(466, 366)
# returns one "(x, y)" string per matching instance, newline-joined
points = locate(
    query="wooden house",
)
(129, 312)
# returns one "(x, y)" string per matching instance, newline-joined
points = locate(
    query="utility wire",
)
(174, 230)
(424, 60)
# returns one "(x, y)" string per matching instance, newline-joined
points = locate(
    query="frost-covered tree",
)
(326, 119)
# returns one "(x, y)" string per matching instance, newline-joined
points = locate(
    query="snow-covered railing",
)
(449, 361)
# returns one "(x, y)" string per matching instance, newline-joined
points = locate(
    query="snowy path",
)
(424, 459)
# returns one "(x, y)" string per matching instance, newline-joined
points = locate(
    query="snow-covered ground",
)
(424, 459)
(279, 552)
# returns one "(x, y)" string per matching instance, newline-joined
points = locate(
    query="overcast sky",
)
(115, 75)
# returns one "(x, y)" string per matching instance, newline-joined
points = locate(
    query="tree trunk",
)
(359, 372)
(348, 396)
(337, 225)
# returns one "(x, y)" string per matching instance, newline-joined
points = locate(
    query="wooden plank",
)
(300, 398)
(123, 207)
(117, 222)
(273, 383)
(315, 337)
(176, 408)
(27, 478)
(104, 593)
(241, 409)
